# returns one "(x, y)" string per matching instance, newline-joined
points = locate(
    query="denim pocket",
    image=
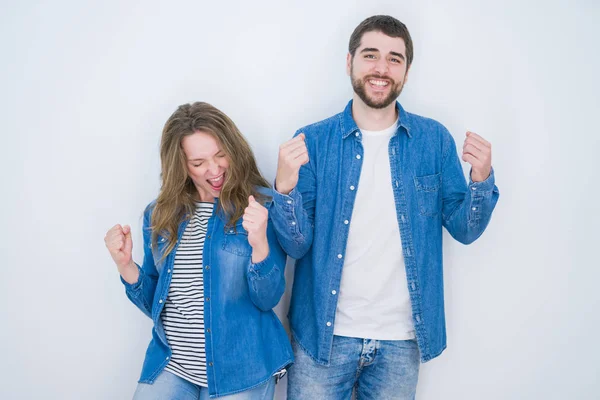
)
(158, 249)
(428, 194)
(236, 241)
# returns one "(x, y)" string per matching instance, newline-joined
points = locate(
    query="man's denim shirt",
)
(245, 341)
(430, 191)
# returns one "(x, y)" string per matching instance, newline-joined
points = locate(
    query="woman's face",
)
(207, 164)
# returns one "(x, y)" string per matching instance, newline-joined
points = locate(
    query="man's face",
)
(378, 69)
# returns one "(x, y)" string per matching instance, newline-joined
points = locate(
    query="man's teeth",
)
(378, 83)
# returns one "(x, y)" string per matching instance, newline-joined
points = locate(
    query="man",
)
(360, 202)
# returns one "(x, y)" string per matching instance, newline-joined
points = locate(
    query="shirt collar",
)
(349, 126)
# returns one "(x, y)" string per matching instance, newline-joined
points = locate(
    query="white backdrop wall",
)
(86, 89)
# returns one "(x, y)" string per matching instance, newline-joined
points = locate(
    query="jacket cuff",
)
(133, 288)
(263, 268)
(483, 187)
(286, 201)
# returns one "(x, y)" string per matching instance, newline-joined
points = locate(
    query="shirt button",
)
(474, 208)
(289, 202)
(208, 299)
(208, 237)
(357, 134)
(167, 357)
(346, 222)
(169, 271)
(333, 292)
(358, 156)
(339, 256)
(231, 231)
(473, 188)
(293, 222)
(160, 301)
(208, 330)
(207, 267)
(210, 364)
(328, 323)
(351, 187)
(412, 286)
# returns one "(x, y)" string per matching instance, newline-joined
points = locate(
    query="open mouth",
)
(378, 84)
(217, 182)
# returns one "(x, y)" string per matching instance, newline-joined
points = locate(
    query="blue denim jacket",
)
(245, 341)
(430, 191)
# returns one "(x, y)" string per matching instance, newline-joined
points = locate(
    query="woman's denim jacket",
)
(245, 341)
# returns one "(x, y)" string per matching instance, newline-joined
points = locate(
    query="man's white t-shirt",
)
(373, 299)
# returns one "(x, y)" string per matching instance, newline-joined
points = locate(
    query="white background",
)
(86, 89)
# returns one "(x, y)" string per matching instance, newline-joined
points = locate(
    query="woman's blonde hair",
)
(175, 201)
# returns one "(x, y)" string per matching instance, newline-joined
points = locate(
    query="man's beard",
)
(359, 88)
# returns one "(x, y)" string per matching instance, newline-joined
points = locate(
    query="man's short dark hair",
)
(387, 25)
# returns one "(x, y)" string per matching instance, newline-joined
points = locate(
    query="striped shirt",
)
(183, 315)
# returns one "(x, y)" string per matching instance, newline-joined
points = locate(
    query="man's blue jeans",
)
(376, 369)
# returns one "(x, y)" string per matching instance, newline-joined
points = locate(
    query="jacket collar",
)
(348, 125)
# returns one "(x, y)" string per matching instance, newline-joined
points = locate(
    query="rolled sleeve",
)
(134, 288)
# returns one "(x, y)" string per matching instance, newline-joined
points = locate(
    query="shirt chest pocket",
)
(158, 249)
(236, 241)
(429, 196)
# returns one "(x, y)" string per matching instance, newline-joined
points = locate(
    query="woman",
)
(213, 269)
